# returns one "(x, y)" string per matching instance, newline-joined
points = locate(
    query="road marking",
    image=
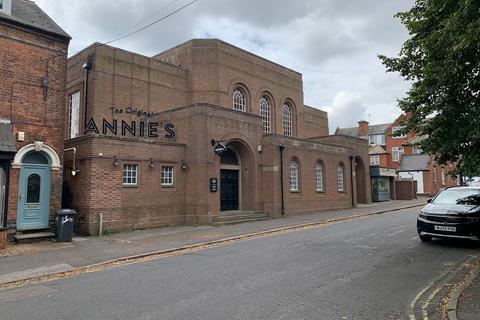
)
(442, 280)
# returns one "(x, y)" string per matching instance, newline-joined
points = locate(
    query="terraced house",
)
(33, 65)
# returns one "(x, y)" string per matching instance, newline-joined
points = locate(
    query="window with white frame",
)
(287, 120)
(443, 177)
(130, 174)
(319, 177)
(434, 174)
(417, 150)
(294, 175)
(397, 153)
(375, 159)
(377, 139)
(167, 176)
(396, 134)
(74, 114)
(340, 178)
(265, 114)
(239, 100)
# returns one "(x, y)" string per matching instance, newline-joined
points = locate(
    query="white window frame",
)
(294, 175)
(239, 99)
(397, 153)
(417, 150)
(434, 174)
(319, 180)
(287, 120)
(266, 114)
(395, 129)
(167, 175)
(443, 177)
(73, 115)
(130, 174)
(377, 139)
(374, 159)
(341, 178)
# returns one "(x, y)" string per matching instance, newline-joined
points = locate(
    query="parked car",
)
(452, 213)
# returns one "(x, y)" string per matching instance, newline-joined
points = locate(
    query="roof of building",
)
(415, 140)
(28, 14)
(376, 149)
(7, 140)
(372, 129)
(414, 162)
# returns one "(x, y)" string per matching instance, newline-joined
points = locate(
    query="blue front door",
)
(34, 197)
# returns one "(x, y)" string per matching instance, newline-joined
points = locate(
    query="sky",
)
(333, 43)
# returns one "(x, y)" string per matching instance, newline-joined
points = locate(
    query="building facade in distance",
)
(397, 156)
(201, 133)
(33, 60)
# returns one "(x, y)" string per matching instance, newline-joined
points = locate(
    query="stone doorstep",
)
(3, 239)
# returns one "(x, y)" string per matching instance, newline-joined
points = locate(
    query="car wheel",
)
(425, 238)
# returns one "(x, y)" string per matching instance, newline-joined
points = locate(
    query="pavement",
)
(468, 303)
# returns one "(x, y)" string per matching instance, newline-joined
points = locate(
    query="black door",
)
(229, 190)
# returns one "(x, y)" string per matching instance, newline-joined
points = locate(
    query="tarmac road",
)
(369, 268)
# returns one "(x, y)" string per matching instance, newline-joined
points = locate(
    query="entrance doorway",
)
(34, 192)
(229, 181)
(361, 174)
(3, 196)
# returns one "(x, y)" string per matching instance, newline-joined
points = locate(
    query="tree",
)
(442, 61)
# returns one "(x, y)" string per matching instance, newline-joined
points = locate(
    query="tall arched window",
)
(319, 177)
(340, 178)
(294, 173)
(239, 99)
(265, 113)
(287, 120)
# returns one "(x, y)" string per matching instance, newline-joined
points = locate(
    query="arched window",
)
(265, 113)
(287, 120)
(239, 99)
(319, 177)
(340, 178)
(294, 175)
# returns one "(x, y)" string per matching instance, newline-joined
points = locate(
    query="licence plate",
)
(445, 228)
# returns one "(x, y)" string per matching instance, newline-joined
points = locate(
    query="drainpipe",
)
(86, 66)
(281, 147)
(74, 169)
(351, 180)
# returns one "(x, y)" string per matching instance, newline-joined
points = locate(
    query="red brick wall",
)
(25, 58)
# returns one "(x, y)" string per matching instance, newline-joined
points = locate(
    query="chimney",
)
(363, 129)
(6, 6)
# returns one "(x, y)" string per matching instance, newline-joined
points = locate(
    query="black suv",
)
(453, 213)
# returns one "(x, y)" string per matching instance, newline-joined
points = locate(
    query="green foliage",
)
(442, 61)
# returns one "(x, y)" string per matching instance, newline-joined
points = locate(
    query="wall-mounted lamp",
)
(74, 172)
(260, 149)
(116, 162)
(151, 164)
(184, 165)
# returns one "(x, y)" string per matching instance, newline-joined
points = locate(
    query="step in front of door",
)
(34, 236)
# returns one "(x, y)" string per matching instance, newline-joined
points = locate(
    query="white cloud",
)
(333, 43)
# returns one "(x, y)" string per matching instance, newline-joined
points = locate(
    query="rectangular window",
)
(443, 177)
(1, 4)
(375, 159)
(417, 150)
(130, 174)
(395, 131)
(167, 176)
(377, 139)
(397, 153)
(74, 114)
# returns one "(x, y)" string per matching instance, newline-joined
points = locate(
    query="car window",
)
(458, 196)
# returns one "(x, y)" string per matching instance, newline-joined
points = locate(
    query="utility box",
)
(64, 225)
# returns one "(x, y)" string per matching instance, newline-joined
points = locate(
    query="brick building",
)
(33, 60)
(394, 155)
(201, 133)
